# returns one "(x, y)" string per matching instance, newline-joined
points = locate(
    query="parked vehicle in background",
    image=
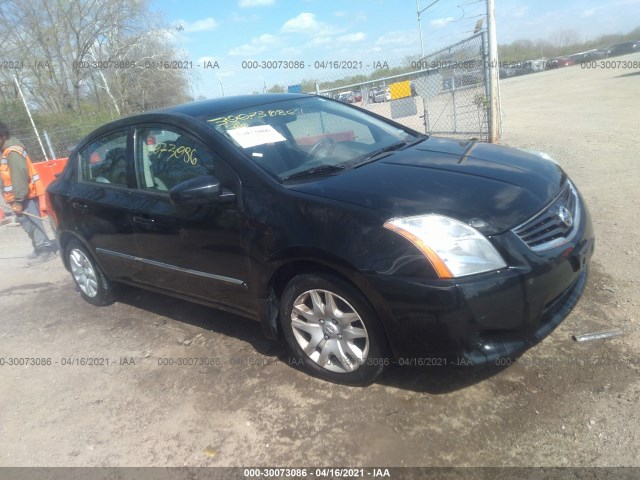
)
(538, 64)
(594, 55)
(588, 56)
(623, 48)
(351, 97)
(559, 62)
(379, 95)
(506, 72)
(383, 95)
(523, 68)
(348, 97)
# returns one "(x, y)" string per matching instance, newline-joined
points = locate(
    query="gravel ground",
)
(561, 404)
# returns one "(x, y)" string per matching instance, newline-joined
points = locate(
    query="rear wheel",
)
(333, 330)
(94, 286)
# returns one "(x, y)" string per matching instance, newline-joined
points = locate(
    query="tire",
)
(346, 346)
(93, 285)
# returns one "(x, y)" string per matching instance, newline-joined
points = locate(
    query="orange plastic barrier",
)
(48, 171)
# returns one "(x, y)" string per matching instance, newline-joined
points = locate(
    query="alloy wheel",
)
(83, 272)
(329, 331)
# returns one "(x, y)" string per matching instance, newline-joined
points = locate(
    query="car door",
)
(100, 202)
(195, 251)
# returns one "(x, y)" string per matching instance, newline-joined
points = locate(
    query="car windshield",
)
(302, 138)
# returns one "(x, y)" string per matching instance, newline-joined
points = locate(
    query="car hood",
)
(463, 180)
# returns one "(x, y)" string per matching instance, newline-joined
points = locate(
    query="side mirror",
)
(203, 190)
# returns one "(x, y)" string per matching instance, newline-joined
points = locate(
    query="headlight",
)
(452, 247)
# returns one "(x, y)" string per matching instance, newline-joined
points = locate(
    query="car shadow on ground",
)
(436, 380)
(628, 74)
(201, 316)
(433, 380)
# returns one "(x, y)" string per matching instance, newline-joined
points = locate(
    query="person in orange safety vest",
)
(21, 187)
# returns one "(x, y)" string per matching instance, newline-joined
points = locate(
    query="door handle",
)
(79, 205)
(143, 220)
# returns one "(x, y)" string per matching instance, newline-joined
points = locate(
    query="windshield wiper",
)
(372, 157)
(322, 169)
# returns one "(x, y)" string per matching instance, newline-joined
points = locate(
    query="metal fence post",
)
(494, 105)
(48, 140)
(425, 111)
(453, 104)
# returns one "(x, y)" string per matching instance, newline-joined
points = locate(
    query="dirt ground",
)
(561, 404)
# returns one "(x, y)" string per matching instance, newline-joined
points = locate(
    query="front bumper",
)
(479, 319)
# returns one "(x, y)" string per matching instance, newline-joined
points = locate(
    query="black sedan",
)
(589, 56)
(359, 241)
(623, 48)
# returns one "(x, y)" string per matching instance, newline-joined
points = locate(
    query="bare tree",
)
(565, 38)
(72, 50)
(157, 76)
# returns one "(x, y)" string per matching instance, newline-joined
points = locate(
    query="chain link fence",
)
(447, 94)
(57, 142)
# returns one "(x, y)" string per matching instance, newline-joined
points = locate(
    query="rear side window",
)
(105, 160)
(167, 157)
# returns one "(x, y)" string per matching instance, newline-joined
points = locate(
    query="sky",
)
(366, 33)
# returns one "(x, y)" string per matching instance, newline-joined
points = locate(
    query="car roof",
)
(194, 109)
(225, 104)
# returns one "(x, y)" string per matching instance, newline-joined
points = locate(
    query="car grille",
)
(555, 224)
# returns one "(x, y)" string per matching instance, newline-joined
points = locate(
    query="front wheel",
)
(333, 330)
(94, 286)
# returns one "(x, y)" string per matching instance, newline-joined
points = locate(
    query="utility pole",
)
(494, 101)
(180, 28)
(418, 13)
